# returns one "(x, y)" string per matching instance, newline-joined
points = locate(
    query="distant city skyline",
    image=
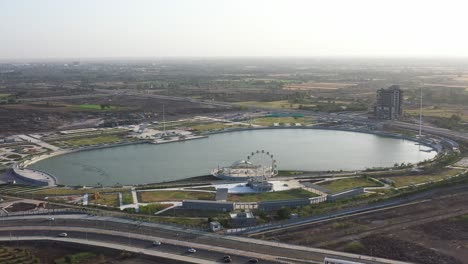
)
(219, 28)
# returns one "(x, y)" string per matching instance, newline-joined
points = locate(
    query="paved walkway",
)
(176, 204)
(38, 142)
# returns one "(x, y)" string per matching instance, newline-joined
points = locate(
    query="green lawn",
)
(150, 209)
(159, 196)
(337, 186)
(127, 198)
(96, 107)
(3, 95)
(271, 196)
(69, 191)
(210, 126)
(401, 181)
(92, 141)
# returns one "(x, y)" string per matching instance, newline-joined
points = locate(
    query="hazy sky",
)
(139, 28)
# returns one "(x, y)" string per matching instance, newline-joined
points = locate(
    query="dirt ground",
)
(19, 207)
(43, 116)
(434, 231)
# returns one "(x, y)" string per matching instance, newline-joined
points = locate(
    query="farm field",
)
(318, 85)
(443, 111)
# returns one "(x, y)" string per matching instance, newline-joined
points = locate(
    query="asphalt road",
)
(176, 241)
(129, 241)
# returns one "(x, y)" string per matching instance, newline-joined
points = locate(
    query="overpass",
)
(138, 236)
(431, 130)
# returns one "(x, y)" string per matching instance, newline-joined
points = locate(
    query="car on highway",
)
(227, 259)
(156, 243)
(51, 219)
(191, 250)
(253, 260)
(63, 235)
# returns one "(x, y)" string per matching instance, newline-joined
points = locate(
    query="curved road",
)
(138, 237)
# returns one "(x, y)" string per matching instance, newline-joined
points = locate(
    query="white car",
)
(156, 243)
(51, 219)
(191, 250)
(63, 235)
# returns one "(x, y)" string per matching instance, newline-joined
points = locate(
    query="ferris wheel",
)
(265, 162)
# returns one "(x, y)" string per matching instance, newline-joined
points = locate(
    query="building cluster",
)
(389, 103)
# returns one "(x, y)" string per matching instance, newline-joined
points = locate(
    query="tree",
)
(283, 213)
(455, 118)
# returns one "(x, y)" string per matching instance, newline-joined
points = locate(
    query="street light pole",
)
(420, 112)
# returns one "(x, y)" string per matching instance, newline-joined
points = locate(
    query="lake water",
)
(294, 149)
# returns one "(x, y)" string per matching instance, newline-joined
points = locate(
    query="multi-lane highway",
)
(138, 237)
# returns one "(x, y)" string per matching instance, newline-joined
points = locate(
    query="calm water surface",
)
(300, 149)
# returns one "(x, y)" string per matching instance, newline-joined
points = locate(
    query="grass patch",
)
(282, 173)
(210, 126)
(91, 141)
(82, 257)
(127, 198)
(181, 212)
(341, 225)
(271, 196)
(108, 199)
(340, 185)
(3, 95)
(462, 218)
(16, 255)
(14, 156)
(355, 247)
(153, 208)
(95, 107)
(445, 112)
(160, 196)
(400, 181)
(70, 191)
(182, 221)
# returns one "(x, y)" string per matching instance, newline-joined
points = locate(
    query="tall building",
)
(389, 103)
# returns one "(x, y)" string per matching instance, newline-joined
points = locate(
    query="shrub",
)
(355, 247)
